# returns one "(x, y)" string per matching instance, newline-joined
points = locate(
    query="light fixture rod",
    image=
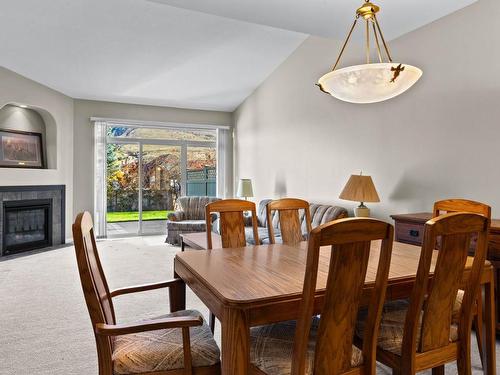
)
(377, 42)
(367, 41)
(345, 43)
(382, 37)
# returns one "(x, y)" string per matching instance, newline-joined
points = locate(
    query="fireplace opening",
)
(27, 225)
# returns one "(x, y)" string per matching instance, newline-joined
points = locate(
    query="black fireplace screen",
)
(27, 225)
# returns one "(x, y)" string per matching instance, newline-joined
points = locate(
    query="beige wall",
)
(438, 140)
(84, 138)
(56, 110)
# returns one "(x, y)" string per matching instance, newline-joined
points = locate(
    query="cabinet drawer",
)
(410, 233)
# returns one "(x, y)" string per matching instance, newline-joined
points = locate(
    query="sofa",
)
(320, 214)
(188, 218)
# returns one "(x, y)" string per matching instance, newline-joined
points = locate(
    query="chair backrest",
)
(95, 287)
(289, 219)
(350, 240)
(461, 205)
(455, 231)
(232, 222)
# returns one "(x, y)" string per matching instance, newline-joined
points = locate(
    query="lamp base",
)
(362, 211)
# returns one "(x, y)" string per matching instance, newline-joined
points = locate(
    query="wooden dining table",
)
(256, 285)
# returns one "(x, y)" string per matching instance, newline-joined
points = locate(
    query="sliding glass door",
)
(122, 188)
(161, 167)
(147, 169)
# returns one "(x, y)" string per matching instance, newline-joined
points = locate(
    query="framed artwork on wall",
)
(21, 149)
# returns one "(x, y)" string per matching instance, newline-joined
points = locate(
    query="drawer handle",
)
(414, 233)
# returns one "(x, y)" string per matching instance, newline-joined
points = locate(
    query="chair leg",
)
(464, 364)
(438, 370)
(212, 322)
(479, 326)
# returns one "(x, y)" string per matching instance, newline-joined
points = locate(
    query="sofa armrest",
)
(175, 216)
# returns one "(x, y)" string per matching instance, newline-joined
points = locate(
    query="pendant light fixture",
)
(369, 82)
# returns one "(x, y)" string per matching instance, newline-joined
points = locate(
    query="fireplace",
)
(31, 217)
(27, 225)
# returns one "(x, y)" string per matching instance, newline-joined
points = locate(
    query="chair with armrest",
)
(289, 219)
(179, 343)
(464, 205)
(420, 333)
(324, 346)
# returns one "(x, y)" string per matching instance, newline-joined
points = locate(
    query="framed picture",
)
(21, 149)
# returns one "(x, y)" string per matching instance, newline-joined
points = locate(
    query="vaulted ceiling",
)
(180, 53)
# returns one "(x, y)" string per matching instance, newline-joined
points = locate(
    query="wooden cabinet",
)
(409, 228)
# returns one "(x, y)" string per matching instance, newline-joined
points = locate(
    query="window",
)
(146, 169)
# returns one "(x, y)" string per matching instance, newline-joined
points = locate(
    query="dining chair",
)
(232, 227)
(461, 205)
(289, 219)
(420, 333)
(231, 221)
(324, 345)
(464, 205)
(179, 343)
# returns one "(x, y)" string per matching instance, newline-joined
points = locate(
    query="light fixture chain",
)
(345, 43)
(383, 39)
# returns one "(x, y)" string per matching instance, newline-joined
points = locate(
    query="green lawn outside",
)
(116, 217)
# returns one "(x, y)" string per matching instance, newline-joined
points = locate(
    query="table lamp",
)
(360, 188)
(245, 188)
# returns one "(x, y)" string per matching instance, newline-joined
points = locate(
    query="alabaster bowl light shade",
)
(360, 189)
(245, 188)
(369, 83)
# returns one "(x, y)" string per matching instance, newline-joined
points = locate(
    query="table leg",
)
(235, 342)
(489, 320)
(182, 244)
(177, 295)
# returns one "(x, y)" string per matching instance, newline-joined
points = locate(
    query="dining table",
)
(262, 284)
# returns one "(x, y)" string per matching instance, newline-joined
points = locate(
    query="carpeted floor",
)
(45, 328)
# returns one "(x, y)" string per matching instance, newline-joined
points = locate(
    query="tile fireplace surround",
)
(53, 194)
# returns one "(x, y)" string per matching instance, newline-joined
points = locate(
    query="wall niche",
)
(22, 118)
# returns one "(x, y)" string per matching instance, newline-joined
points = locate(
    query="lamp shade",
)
(360, 189)
(245, 188)
(369, 83)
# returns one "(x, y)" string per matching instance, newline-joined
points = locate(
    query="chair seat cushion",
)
(271, 348)
(162, 350)
(391, 331)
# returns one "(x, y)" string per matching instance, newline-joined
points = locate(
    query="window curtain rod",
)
(158, 124)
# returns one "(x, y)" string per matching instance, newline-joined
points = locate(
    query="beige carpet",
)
(45, 328)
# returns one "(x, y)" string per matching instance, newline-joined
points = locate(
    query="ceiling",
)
(181, 53)
(327, 18)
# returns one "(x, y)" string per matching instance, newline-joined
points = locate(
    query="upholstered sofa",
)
(189, 217)
(320, 214)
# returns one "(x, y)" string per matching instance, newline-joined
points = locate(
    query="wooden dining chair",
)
(464, 205)
(461, 205)
(324, 346)
(419, 333)
(289, 219)
(232, 227)
(179, 343)
(231, 221)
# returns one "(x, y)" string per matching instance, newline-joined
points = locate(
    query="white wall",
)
(438, 140)
(84, 136)
(56, 110)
